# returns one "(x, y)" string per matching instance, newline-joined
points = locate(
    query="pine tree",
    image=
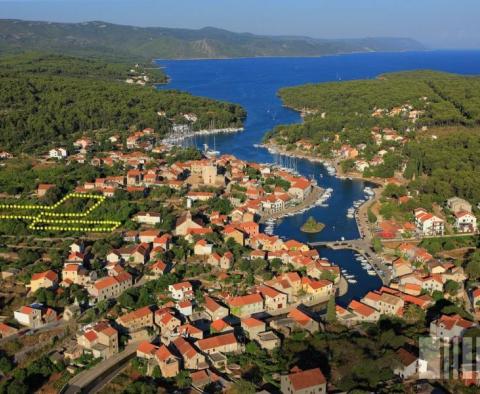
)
(331, 311)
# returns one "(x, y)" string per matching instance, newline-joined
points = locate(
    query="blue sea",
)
(254, 83)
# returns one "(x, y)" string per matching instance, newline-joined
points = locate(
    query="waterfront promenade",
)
(364, 248)
(308, 202)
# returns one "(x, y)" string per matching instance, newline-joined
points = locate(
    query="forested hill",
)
(424, 124)
(48, 100)
(444, 99)
(109, 40)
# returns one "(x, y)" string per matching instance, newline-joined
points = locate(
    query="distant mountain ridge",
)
(118, 41)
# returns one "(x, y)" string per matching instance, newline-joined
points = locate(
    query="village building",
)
(408, 364)
(191, 357)
(35, 316)
(43, 188)
(449, 327)
(311, 381)
(428, 224)
(46, 280)
(7, 331)
(214, 309)
(243, 306)
(457, 204)
(73, 273)
(181, 291)
(57, 153)
(150, 218)
(168, 363)
(136, 320)
(185, 222)
(110, 286)
(252, 327)
(101, 340)
(223, 343)
(465, 222)
(202, 248)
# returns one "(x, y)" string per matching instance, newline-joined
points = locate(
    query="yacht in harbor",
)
(330, 169)
(369, 191)
(351, 213)
(322, 201)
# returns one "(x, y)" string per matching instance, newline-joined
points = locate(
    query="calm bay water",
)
(254, 83)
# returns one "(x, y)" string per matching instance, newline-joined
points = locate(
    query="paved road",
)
(102, 373)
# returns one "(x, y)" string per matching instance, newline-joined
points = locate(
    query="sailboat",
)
(210, 152)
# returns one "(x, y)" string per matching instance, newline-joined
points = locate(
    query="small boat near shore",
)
(369, 191)
(351, 213)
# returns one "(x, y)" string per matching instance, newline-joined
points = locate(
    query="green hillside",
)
(437, 149)
(116, 41)
(45, 100)
(445, 99)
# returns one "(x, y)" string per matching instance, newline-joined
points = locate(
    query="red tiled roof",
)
(245, 300)
(405, 357)
(52, 276)
(163, 353)
(252, 322)
(216, 341)
(147, 348)
(307, 379)
(90, 336)
(360, 308)
(299, 317)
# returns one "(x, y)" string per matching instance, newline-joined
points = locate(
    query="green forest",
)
(446, 167)
(441, 166)
(61, 65)
(46, 100)
(447, 99)
(107, 40)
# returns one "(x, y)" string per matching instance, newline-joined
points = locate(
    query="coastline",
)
(226, 130)
(360, 212)
(339, 173)
(341, 53)
(308, 203)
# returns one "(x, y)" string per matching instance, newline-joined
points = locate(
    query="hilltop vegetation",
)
(102, 39)
(46, 100)
(447, 99)
(45, 64)
(451, 164)
(350, 113)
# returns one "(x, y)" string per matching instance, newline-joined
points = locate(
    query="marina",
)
(335, 198)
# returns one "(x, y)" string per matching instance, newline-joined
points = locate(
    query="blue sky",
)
(437, 23)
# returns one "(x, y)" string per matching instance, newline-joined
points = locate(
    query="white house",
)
(151, 218)
(202, 248)
(58, 153)
(449, 327)
(428, 224)
(408, 364)
(181, 291)
(465, 222)
(361, 165)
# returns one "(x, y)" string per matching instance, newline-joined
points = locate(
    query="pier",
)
(362, 247)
